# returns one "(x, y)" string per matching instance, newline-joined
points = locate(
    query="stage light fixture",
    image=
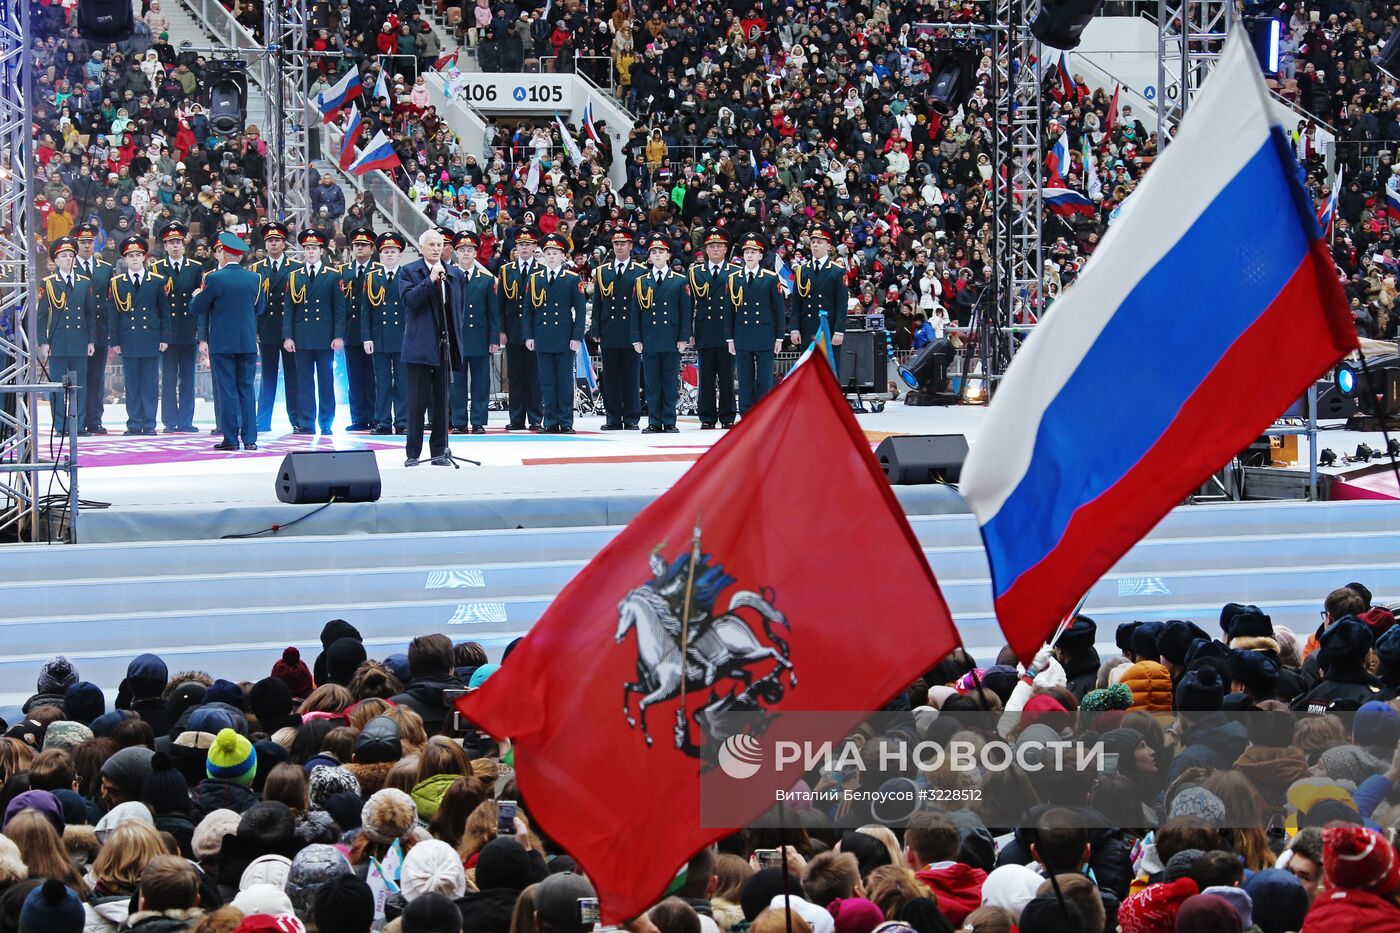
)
(1327, 458)
(1364, 453)
(1346, 379)
(1061, 22)
(1265, 32)
(228, 97)
(926, 374)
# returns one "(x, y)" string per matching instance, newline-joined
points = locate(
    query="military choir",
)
(641, 308)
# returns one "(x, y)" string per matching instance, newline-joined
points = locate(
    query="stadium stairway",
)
(230, 607)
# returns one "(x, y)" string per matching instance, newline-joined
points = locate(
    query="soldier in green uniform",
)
(478, 330)
(522, 369)
(178, 359)
(140, 308)
(614, 286)
(463, 256)
(714, 316)
(820, 286)
(554, 327)
(227, 307)
(65, 329)
(359, 368)
(756, 330)
(313, 327)
(381, 322)
(661, 326)
(99, 271)
(274, 271)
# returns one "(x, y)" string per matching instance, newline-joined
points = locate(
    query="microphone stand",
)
(445, 354)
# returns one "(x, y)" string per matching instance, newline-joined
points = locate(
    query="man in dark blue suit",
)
(226, 308)
(431, 292)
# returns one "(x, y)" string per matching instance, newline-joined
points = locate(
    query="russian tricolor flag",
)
(331, 102)
(1065, 202)
(589, 126)
(379, 154)
(786, 280)
(1329, 210)
(1206, 311)
(1066, 80)
(1057, 161)
(353, 129)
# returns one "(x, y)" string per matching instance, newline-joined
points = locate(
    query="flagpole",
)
(685, 612)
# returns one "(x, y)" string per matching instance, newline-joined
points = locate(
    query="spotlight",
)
(1264, 33)
(1392, 450)
(1346, 378)
(228, 97)
(1364, 453)
(926, 374)
(1380, 395)
(1327, 458)
(1060, 22)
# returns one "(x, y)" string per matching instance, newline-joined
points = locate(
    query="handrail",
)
(224, 28)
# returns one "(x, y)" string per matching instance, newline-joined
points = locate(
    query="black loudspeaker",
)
(106, 21)
(912, 459)
(323, 475)
(857, 359)
(1333, 405)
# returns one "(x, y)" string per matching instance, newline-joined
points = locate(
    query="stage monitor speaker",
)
(1333, 404)
(913, 459)
(857, 360)
(322, 475)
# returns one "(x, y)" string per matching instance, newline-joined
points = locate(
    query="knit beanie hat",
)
(432, 866)
(1200, 691)
(128, 768)
(231, 758)
(431, 913)
(1180, 864)
(1357, 858)
(164, 789)
(1349, 763)
(344, 903)
(1116, 697)
(269, 869)
(1237, 898)
(228, 693)
(269, 755)
(1206, 913)
(855, 915)
(208, 838)
(265, 899)
(293, 672)
(342, 660)
(65, 734)
(388, 815)
(1280, 902)
(1198, 802)
(271, 701)
(83, 702)
(326, 781)
(1154, 909)
(45, 803)
(56, 676)
(313, 867)
(52, 908)
(1375, 724)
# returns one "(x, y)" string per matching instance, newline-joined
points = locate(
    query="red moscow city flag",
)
(810, 592)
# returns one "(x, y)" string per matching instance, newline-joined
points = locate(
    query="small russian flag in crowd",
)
(353, 129)
(331, 102)
(379, 154)
(1066, 80)
(381, 89)
(1066, 202)
(1057, 162)
(786, 280)
(1210, 307)
(1329, 210)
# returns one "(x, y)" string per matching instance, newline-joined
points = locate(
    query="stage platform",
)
(175, 487)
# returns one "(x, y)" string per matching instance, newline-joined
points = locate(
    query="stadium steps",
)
(231, 606)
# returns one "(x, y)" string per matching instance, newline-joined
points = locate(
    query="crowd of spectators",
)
(195, 803)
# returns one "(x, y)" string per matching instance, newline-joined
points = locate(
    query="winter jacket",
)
(1082, 673)
(1345, 687)
(106, 914)
(181, 827)
(1110, 849)
(168, 921)
(213, 795)
(1212, 741)
(956, 887)
(488, 911)
(428, 793)
(1343, 911)
(424, 696)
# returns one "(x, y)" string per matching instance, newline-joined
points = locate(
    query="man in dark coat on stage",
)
(432, 292)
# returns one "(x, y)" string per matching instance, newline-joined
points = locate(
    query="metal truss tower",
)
(1190, 37)
(286, 27)
(19, 369)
